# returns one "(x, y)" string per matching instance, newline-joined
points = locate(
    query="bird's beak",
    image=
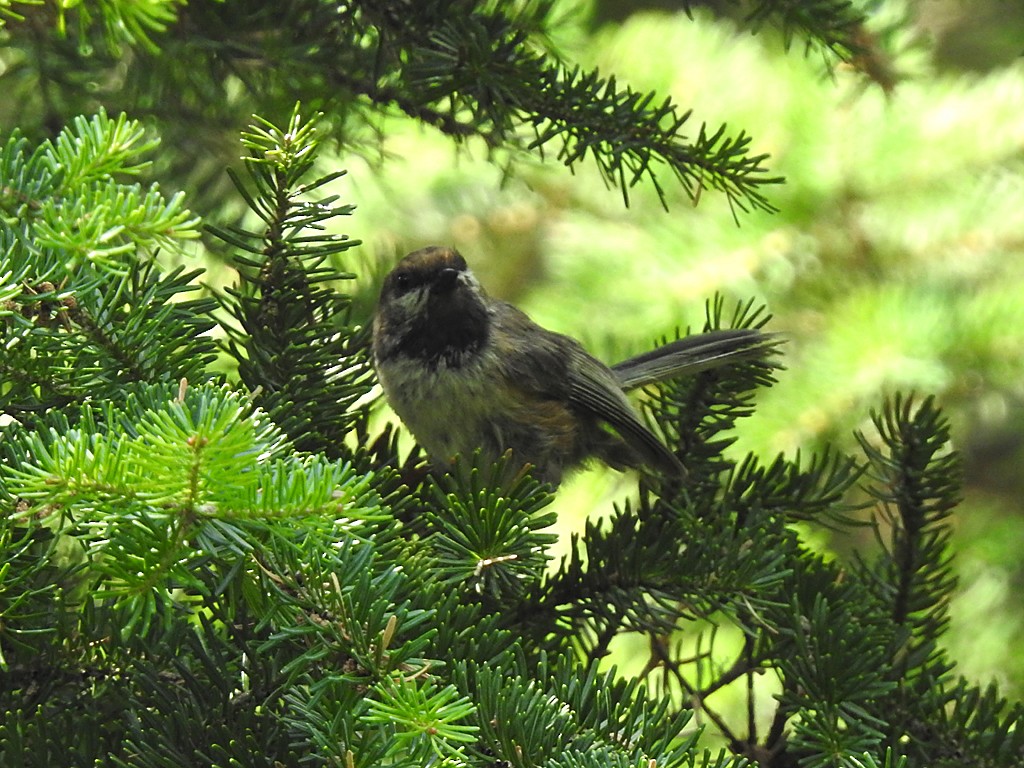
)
(446, 281)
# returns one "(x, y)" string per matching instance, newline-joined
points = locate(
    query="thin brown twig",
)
(698, 700)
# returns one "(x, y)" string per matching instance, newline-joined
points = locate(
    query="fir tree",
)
(210, 568)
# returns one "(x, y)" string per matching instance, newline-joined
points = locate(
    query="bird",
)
(465, 372)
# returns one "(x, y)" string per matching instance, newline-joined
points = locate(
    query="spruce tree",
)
(213, 555)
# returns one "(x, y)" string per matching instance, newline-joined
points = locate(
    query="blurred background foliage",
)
(894, 261)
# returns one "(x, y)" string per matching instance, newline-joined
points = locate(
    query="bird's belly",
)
(449, 411)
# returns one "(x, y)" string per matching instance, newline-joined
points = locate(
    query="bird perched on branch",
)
(465, 371)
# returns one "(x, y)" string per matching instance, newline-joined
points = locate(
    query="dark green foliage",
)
(469, 69)
(915, 479)
(835, 25)
(498, 554)
(202, 568)
(290, 316)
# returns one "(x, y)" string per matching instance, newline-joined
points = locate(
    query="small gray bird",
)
(464, 371)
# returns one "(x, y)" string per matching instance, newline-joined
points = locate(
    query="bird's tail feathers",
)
(694, 354)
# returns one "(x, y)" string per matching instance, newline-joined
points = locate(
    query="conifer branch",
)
(292, 342)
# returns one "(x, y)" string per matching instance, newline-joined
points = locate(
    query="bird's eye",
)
(403, 282)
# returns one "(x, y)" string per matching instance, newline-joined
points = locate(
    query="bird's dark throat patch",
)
(455, 326)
